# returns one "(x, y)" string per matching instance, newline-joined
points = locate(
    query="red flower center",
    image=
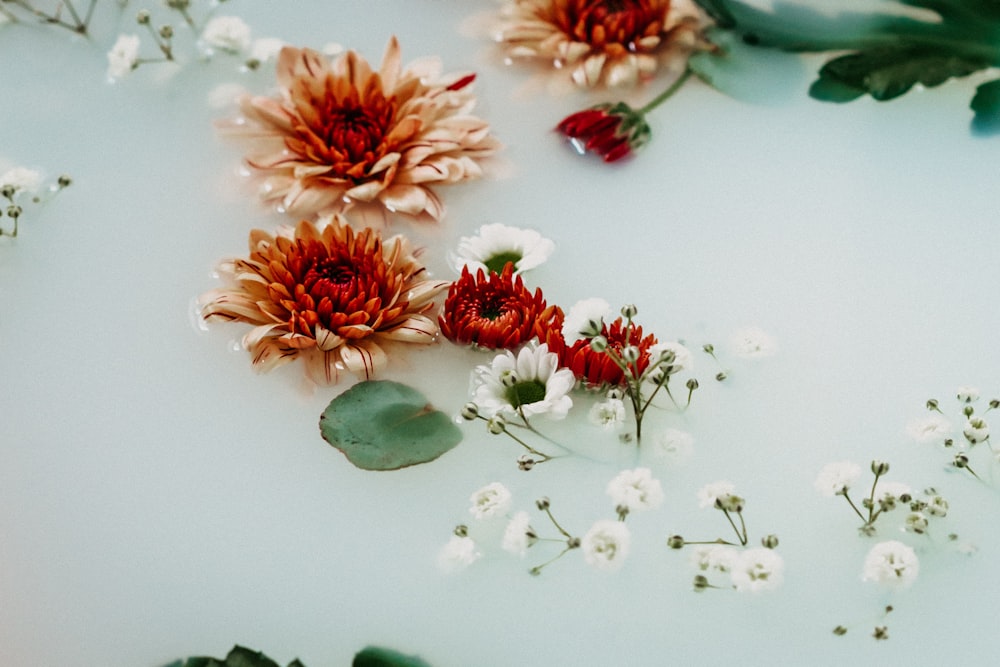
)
(613, 26)
(346, 134)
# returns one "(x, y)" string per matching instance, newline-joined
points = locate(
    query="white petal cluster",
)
(582, 316)
(532, 364)
(757, 570)
(673, 444)
(228, 33)
(683, 359)
(837, 478)
(753, 343)
(518, 536)
(892, 564)
(123, 56)
(606, 544)
(458, 554)
(935, 427)
(496, 240)
(635, 489)
(609, 413)
(976, 430)
(718, 557)
(491, 500)
(23, 179)
(710, 494)
(967, 394)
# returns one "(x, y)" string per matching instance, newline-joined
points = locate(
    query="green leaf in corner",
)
(239, 656)
(986, 104)
(374, 656)
(383, 425)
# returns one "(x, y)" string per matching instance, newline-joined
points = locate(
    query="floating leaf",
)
(986, 104)
(239, 656)
(383, 425)
(374, 656)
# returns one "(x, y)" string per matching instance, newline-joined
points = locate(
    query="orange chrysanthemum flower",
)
(612, 42)
(329, 295)
(342, 135)
(495, 311)
(596, 369)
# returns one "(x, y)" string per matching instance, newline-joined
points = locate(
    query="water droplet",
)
(194, 316)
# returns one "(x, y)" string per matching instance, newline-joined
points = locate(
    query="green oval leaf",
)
(986, 104)
(383, 425)
(374, 656)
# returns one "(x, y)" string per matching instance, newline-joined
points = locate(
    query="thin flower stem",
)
(55, 19)
(740, 536)
(853, 506)
(666, 94)
(527, 424)
(871, 500)
(743, 527)
(556, 524)
(538, 568)
(716, 541)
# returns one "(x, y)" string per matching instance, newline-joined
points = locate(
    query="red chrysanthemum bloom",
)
(611, 131)
(596, 369)
(495, 311)
(613, 42)
(343, 135)
(328, 295)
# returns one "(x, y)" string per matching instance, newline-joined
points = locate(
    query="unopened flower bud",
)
(591, 328)
(880, 468)
(961, 461)
(721, 375)
(932, 404)
(573, 543)
(8, 191)
(525, 462)
(700, 583)
(630, 354)
(142, 18)
(709, 348)
(691, 384)
(14, 211)
(252, 64)
(598, 343)
(995, 403)
(508, 379)
(881, 632)
(840, 631)
(166, 31)
(622, 511)
(496, 425)
(968, 410)
(470, 411)
(615, 394)
(461, 530)
(542, 503)
(64, 181)
(770, 541)
(629, 311)
(675, 542)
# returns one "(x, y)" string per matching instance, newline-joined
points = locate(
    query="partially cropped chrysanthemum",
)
(531, 382)
(494, 311)
(329, 295)
(596, 369)
(342, 135)
(495, 245)
(609, 42)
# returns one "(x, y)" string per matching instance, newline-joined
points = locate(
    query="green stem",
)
(666, 94)
(854, 507)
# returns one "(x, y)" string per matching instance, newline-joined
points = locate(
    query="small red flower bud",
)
(611, 131)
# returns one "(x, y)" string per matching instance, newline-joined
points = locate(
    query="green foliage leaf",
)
(239, 656)
(374, 656)
(986, 105)
(383, 425)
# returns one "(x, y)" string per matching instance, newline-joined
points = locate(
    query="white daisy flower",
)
(531, 382)
(123, 56)
(757, 570)
(609, 413)
(519, 535)
(606, 544)
(23, 179)
(714, 557)
(228, 33)
(836, 478)
(584, 318)
(932, 428)
(716, 492)
(458, 554)
(636, 490)
(495, 245)
(976, 430)
(752, 343)
(489, 501)
(673, 444)
(892, 564)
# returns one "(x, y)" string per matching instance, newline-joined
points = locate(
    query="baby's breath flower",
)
(584, 319)
(967, 394)
(228, 33)
(836, 478)
(892, 564)
(752, 343)
(519, 535)
(489, 501)
(976, 430)
(458, 553)
(934, 427)
(606, 544)
(680, 358)
(717, 557)
(123, 56)
(636, 490)
(916, 522)
(937, 506)
(757, 569)
(22, 179)
(715, 494)
(609, 413)
(673, 444)
(266, 48)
